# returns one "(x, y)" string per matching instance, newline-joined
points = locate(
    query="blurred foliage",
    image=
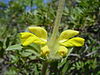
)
(81, 15)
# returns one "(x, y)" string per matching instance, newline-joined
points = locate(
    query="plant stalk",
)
(58, 19)
(44, 68)
(55, 32)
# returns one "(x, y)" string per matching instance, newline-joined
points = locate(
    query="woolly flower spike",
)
(38, 35)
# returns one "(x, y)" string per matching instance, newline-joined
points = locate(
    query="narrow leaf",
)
(15, 47)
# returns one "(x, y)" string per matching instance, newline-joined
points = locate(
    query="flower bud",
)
(62, 51)
(45, 51)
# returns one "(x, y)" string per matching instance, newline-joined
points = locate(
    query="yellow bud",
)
(45, 51)
(62, 51)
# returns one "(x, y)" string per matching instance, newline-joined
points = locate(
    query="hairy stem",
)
(58, 19)
(55, 32)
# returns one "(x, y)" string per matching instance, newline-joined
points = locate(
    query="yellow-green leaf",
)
(77, 41)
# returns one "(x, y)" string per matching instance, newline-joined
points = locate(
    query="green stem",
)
(44, 68)
(58, 19)
(55, 31)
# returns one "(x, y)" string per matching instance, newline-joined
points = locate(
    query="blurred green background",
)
(81, 15)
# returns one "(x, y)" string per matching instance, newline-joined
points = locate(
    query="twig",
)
(76, 55)
(91, 53)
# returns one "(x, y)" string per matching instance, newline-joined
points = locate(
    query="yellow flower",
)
(66, 40)
(62, 51)
(45, 50)
(38, 35)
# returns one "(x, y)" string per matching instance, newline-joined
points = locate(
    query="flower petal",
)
(28, 38)
(39, 32)
(62, 51)
(77, 41)
(65, 35)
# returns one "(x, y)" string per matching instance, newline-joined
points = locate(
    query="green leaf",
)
(6, 42)
(1, 44)
(14, 47)
(14, 58)
(32, 57)
(62, 63)
(35, 46)
(28, 52)
(65, 68)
